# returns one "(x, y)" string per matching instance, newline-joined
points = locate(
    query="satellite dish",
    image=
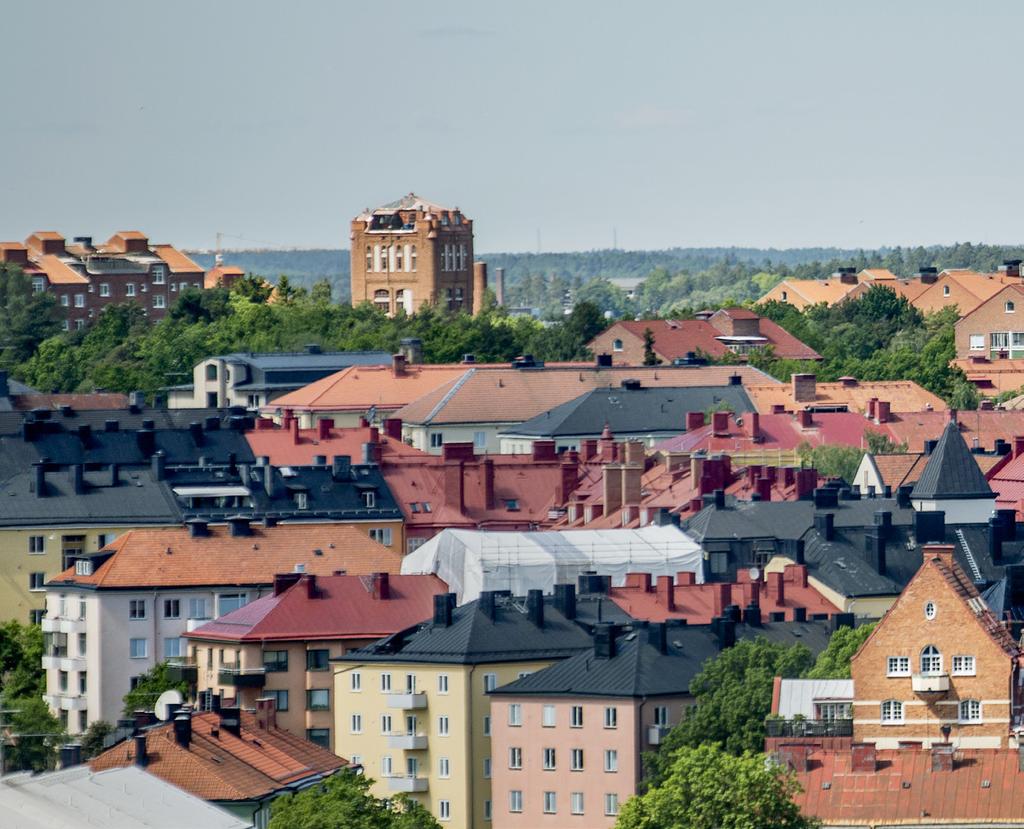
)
(754, 573)
(166, 702)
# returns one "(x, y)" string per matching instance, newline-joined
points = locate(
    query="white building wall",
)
(967, 511)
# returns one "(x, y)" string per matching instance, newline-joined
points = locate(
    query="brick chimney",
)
(805, 418)
(882, 411)
(568, 475)
(665, 593)
(612, 480)
(720, 593)
(775, 588)
(266, 713)
(763, 487)
(634, 452)
(638, 581)
(544, 450)
(752, 420)
(398, 362)
(487, 480)
(393, 427)
(453, 485)
(694, 420)
(1018, 445)
(323, 428)
(380, 587)
(805, 387)
(631, 479)
(720, 424)
(862, 758)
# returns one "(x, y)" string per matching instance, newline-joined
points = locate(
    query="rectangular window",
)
(444, 767)
(487, 725)
(833, 711)
(442, 683)
(515, 800)
(173, 646)
(487, 768)
(548, 716)
(355, 681)
(138, 648)
(65, 300)
(159, 301)
(104, 289)
(280, 699)
(999, 339)
(661, 715)
(172, 609)
(386, 768)
(576, 720)
(611, 717)
(319, 699)
(479, 440)
(410, 683)
(549, 803)
(158, 275)
(611, 760)
(490, 682)
(442, 726)
(137, 609)
(82, 643)
(83, 682)
(369, 499)
(898, 666)
(35, 616)
(611, 804)
(36, 581)
(436, 440)
(355, 722)
(197, 609)
(62, 681)
(319, 736)
(977, 342)
(79, 300)
(275, 661)
(130, 289)
(515, 758)
(576, 803)
(382, 535)
(385, 683)
(515, 714)
(317, 660)
(36, 545)
(385, 724)
(963, 666)
(576, 760)
(549, 759)
(444, 810)
(227, 602)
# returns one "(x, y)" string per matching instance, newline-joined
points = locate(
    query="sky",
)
(555, 125)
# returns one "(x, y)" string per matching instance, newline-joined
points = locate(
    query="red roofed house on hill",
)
(716, 334)
(237, 760)
(279, 646)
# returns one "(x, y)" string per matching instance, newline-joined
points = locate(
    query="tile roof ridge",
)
(458, 384)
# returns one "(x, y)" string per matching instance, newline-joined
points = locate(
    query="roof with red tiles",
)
(984, 787)
(914, 428)
(177, 261)
(298, 447)
(59, 272)
(644, 598)
(219, 766)
(902, 396)
(171, 556)
(330, 607)
(992, 376)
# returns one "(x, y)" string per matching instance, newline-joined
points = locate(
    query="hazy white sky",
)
(765, 123)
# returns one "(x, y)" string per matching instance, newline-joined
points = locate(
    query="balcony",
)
(192, 624)
(809, 728)
(407, 783)
(62, 625)
(656, 734)
(180, 669)
(56, 662)
(408, 742)
(407, 701)
(66, 702)
(242, 677)
(930, 683)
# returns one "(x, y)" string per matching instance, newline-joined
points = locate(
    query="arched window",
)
(785, 296)
(382, 299)
(931, 660)
(1010, 307)
(892, 711)
(970, 710)
(211, 371)
(617, 345)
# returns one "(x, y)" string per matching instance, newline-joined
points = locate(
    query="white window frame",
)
(611, 717)
(977, 342)
(897, 666)
(36, 545)
(443, 726)
(159, 301)
(576, 759)
(515, 715)
(964, 665)
(550, 759)
(444, 767)
(576, 717)
(611, 760)
(355, 724)
(385, 683)
(442, 683)
(105, 289)
(550, 803)
(515, 758)
(515, 801)
(891, 712)
(444, 810)
(611, 804)
(130, 289)
(548, 716)
(973, 710)
(576, 803)
(137, 652)
(931, 661)
(356, 682)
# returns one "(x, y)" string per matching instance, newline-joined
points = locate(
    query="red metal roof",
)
(297, 447)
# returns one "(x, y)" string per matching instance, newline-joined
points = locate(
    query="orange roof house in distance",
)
(847, 394)
(845, 283)
(222, 276)
(149, 587)
(237, 760)
(288, 445)
(282, 643)
(728, 331)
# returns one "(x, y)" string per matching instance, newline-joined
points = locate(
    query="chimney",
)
(565, 600)
(567, 481)
(398, 365)
(804, 387)
(282, 581)
(720, 424)
(805, 418)
(77, 476)
(487, 481)
(412, 349)
(775, 588)
(231, 719)
(695, 420)
(70, 755)
(266, 713)
(825, 497)
(720, 593)
(604, 640)
(499, 285)
(183, 728)
(1018, 445)
(763, 488)
(195, 430)
(882, 411)
(824, 524)
(874, 547)
(806, 481)
(657, 636)
(726, 632)
(479, 286)
(454, 496)
(443, 604)
(239, 526)
(942, 756)
(39, 468)
(158, 463)
(543, 450)
(269, 481)
(665, 594)
(753, 423)
(631, 480)
(719, 499)
(146, 438)
(393, 428)
(930, 526)
(381, 588)
(995, 539)
(141, 757)
(535, 607)
(341, 467)
(612, 481)
(487, 604)
(862, 758)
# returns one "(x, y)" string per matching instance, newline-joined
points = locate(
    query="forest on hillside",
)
(674, 281)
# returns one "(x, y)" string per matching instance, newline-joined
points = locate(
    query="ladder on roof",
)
(975, 571)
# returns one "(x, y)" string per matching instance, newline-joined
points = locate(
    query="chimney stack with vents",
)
(443, 604)
(141, 757)
(487, 604)
(657, 635)
(183, 727)
(604, 640)
(804, 387)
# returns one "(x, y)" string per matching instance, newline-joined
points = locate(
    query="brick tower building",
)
(411, 253)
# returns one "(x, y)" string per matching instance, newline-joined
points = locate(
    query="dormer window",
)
(83, 567)
(1010, 307)
(369, 499)
(301, 500)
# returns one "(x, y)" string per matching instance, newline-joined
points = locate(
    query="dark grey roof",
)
(11, 422)
(952, 472)
(631, 411)
(473, 637)
(285, 370)
(640, 669)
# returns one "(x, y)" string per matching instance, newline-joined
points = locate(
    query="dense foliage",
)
(834, 661)
(27, 317)
(37, 738)
(148, 689)
(707, 788)
(343, 801)
(21, 659)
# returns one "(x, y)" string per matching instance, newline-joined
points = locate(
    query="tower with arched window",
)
(412, 253)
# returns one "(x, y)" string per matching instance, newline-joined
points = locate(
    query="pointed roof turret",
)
(952, 472)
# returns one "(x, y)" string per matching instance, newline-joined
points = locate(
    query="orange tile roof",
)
(357, 388)
(814, 291)
(177, 261)
(285, 449)
(47, 235)
(909, 288)
(221, 766)
(216, 275)
(914, 428)
(130, 234)
(59, 272)
(993, 376)
(900, 469)
(877, 274)
(903, 396)
(509, 395)
(171, 557)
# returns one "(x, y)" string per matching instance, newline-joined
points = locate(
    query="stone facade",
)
(937, 660)
(410, 254)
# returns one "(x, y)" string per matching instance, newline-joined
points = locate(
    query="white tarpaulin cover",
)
(472, 560)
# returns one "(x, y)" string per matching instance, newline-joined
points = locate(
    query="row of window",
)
(198, 608)
(138, 647)
(453, 257)
(391, 258)
(317, 699)
(968, 711)
(356, 683)
(515, 803)
(998, 340)
(611, 715)
(277, 661)
(62, 682)
(930, 663)
(550, 757)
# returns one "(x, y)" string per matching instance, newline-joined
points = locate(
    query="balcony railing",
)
(930, 683)
(408, 741)
(809, 728)
(182, 669)
(408, 701)
(407, 783)
(230, 674)
(656, 734)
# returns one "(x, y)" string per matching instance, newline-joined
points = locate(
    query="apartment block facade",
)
(995, 328)
(412, 253)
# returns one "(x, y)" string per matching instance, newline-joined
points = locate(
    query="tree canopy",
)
(834, 661)
(149, 687)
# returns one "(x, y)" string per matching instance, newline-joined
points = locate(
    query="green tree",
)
(733, 694)
(35, 735)
(834, 661)
(832, 460)
(880, 444)
(343, 801)
(150, 686)
(21, 655)
(650, 358)
(252, 288)
(707, 788)
(27, 316)
(92, 739)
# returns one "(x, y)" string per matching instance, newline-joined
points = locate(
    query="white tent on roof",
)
(470, 561)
